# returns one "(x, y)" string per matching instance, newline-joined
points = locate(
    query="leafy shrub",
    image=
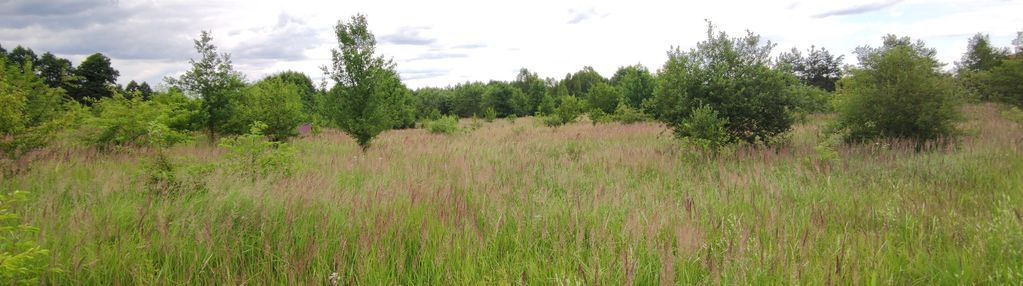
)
(1005, 81)
(22, 261)
(604, 97)
(444, 125)
(276, 103)
(704, 127)
(489, 115)
(808, 99)
(253, 156)
(1015, 114)
(628, 115)
(567, 112)
(118, 121)
(598, 115)
(735, 78)
(899, 91)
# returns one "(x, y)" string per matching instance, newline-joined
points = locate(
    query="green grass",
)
(513, 202)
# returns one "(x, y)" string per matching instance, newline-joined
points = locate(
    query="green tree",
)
(467, 99)
(636, 84)
(897, 91)
(980, 55)
(733, 76)
(275, 102)
(306, 89)
(96, 79)
(22, 56)
(505, 99)
(56, 72)
(213, 79)
(604, 97)
(532, 87)
(1005, 81)
(364, 83)
(818, 68)
(579, 83)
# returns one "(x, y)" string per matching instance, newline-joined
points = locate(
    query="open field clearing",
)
(519, 202)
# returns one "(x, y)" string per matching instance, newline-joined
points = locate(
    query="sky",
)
(440, 43)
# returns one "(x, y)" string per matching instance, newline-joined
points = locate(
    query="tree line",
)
(723, 91)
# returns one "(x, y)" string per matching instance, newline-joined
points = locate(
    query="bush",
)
(118, 121)
(22, 261)
(704, 127)
(899, 91)
(734, 77)
(809, 99)
(628, 115)
(1005, 81)
(444, 125)
(567, 112)
(489, 115)
(276, 103)
(253, 156)
(598, 115)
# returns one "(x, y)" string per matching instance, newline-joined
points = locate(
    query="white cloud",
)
(437, 43)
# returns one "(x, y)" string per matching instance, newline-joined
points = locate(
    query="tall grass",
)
(510, 203)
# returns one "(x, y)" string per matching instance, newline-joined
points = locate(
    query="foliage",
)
(579, 83)
(533, 90)
(635, 83)
(467, 99)
(604, 97)
(1005, 81)
(733, 77)
(628, 115)
(22, 261)
(809, 99)
(275, 102)
(305, 88)
(489, 115)
(598, 116)
(704, 127)
(213, 79)
(980, 55)
(368, 97)
(567, 112)
(165, 177)
(254, 157)
(118, 121)
(505, 99)
(443, 125)
(819, 68)
(96, 79)
(898, 91)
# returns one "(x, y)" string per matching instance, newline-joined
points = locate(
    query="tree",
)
(1005, 81)
(980, 55)
(604, 97)
(636, 84)
(734, 78)
(96, 78)
(275, 102)
(56, 72)
(213, 79)
(364, 83)
(819, 68)
(579, 83)
(306, 89)
(897, 91)
(21, 56)
(467, 99)
(532, 87)
(505, 99)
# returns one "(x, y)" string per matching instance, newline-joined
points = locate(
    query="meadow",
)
(522, 203)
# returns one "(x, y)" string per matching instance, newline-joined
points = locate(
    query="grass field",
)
(518, 202)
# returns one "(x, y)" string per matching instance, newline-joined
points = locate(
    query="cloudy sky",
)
(437, 43)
